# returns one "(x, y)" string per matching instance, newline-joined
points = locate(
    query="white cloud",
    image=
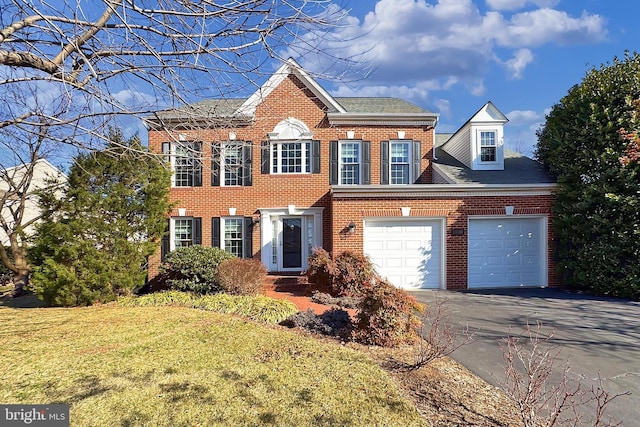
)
(524, 117)
(413, 41)
(519, 4)
(131, 98)
(517, 64)
(542, 26)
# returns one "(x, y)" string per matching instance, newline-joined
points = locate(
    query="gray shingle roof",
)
(378, 105)
(226, 107)
(202, 109)
(518, 169)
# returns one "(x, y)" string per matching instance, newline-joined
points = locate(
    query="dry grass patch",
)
(178, 366)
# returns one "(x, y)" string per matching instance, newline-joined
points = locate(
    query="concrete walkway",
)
(594, 335)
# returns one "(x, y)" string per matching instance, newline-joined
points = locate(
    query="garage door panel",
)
(410, 255)
(505, 252)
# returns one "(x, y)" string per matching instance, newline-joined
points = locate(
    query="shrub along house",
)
(292, 168)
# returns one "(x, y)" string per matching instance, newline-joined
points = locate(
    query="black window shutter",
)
(417, 161)
(197, 166)
(333, 163)
(366, 162)
(165, 243)
(315, 156)
(248, 237)
(216, 151)
(197, 231)
(265, 151)
(215, 232)
(247, 160)
(384, 162)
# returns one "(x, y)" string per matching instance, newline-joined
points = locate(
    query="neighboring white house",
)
(44, 173)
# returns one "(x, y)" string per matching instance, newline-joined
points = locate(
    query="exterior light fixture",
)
(351, 227)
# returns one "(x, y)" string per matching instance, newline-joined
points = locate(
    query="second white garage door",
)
(407, 253)
(507, 252)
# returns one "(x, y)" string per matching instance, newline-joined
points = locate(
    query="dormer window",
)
(488, 146)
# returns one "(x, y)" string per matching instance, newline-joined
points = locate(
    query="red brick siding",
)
(456, 212)
(289, 99)
(292, 99)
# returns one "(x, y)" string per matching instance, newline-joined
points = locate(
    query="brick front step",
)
(286, 281)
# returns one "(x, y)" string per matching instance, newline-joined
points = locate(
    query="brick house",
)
(292, 168)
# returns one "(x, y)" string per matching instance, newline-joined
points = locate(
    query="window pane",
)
(400, 162)
(232, 159)
(291, 157)
(274, 242)
(184, 166)
(182, 233)
(488, 154)
(309, 235)
(233, 236)
(349, 163)
(487, 139)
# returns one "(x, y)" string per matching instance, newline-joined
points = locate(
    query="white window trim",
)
(223, 220)
(276, 153)
(340, 164)
(172, 230)
(173, 155)
(409, 143)
(494, 146)
(223, 165)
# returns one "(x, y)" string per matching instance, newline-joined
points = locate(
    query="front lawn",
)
(178, 366)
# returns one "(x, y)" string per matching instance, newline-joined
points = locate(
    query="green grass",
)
(174, 366)
(258, 307)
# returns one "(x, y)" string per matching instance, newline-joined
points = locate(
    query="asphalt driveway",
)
(594, 335)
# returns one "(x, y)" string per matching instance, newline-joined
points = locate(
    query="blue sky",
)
(451, 56)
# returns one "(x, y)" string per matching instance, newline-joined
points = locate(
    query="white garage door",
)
(507, 252)
(407, 253)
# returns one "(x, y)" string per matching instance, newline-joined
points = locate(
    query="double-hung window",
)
(186, 162)
(233, 234)
(231, 163)
(488, 146)
(232, 158)
(182, 232)
(350, 162)
(400, 162)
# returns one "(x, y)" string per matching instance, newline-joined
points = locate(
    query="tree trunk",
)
(20, 282)
(21, 276)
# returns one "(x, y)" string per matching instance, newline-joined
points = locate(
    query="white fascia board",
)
(400, 119)
(439, 190)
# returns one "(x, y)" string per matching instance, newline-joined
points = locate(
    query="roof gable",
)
(489, 113)
(248, 108)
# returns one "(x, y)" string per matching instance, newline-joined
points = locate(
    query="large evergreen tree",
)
(94, 244)
(587, 141)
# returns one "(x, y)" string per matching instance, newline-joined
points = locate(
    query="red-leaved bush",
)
(320, 270)
(347, 275)
(238, 276)
(387, 316)
(353, 273)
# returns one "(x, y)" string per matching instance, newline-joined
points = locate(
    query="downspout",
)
(433, 149)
